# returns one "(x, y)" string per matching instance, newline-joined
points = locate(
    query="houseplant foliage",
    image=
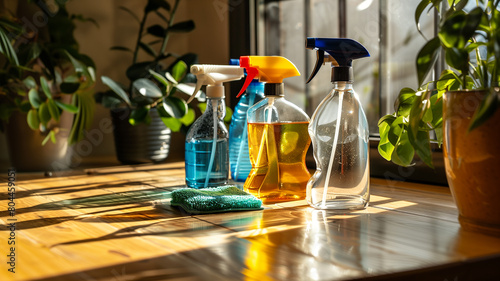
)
(44, 73)
(470, 43)
(152, 84)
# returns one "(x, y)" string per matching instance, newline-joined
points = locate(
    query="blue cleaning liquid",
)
(238, 138)
(198, 158)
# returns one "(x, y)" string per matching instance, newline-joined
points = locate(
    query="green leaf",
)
(160, 78)
(116, 88)
(426, 59)
(185, 26)
(385, 147)
(138, 115)
(147, 49)
(437, 110)
(485, 110)
(396, 129)
(29, 82)
(459, 28)
(175, 107)
(156, 30)
(189, 117)
(202, 106)
(458, 59)
(44, 114)
(45, 87)
(147, 88)
(140, 70)
(404, 101)
(32, 118)
(403, 152)
(423, 148)
(439, 135)
(387, 119)
(34, 98)
(179, 70)
(229, 113)
(448, 81)
(130, 13)
(67, 107)
(69, 88)
(154, 5)
(54, 111)
(172, 123)
(418, 12)
(420, 139)
(6, 47)
(121, 48)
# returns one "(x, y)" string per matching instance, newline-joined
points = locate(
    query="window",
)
(385, 27)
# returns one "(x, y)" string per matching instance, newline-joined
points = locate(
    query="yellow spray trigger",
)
(269, 69)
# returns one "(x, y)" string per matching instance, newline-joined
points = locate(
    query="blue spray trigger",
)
(342, 50)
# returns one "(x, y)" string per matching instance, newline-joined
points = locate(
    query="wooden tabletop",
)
(100, 225)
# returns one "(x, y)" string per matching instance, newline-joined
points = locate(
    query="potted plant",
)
(46, 85)
(151, 106)
(460, 107)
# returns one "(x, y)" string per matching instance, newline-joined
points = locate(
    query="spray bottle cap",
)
(213, 76)
(269, 69)
(341, 53)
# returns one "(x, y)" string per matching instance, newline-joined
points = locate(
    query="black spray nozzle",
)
(341, 52)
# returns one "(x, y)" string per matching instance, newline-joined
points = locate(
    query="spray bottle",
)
(207, 157)
(277, 134)
(339, 132)
(239, 159)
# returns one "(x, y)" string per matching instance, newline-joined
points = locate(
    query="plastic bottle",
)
(339, 132)
(277, 134)
(239, 159)
(207, 157)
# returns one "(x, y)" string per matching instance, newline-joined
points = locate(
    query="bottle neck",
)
(216, 105)
(274, 89)
(342, 85)
(342, 73)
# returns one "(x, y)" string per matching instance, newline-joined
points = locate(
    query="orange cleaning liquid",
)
(277, 153)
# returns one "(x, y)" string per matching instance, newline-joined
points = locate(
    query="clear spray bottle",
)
(206, 154)
(239, 159)
(277, 134)
(339, 132)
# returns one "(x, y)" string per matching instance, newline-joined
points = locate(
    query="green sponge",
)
(214, 200)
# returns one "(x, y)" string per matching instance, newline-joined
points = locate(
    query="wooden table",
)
(100, 225)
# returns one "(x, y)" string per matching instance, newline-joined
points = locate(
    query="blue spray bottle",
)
(339, 132)
(207, 157)
(239, 158)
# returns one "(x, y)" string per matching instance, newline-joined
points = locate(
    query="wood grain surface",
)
(101, 224)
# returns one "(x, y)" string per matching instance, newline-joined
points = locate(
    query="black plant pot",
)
(141, 143)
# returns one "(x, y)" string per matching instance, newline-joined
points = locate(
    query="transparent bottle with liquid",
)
(277, 134)
(206, 146)
(339, 134)
(278, 143)
(239, 158)
(200, 148)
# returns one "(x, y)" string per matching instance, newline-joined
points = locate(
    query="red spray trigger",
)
(251, 74)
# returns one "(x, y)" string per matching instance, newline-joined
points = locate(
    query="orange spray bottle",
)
(277, 134)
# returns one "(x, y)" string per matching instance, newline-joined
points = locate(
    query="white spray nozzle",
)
(213, 76)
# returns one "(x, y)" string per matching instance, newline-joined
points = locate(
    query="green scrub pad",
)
(214, 200)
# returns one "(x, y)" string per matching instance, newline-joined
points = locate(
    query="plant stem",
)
(170, 22)
(139, 36)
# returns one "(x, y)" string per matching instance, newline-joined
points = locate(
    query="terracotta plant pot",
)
(472, 161)
(140, 143)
